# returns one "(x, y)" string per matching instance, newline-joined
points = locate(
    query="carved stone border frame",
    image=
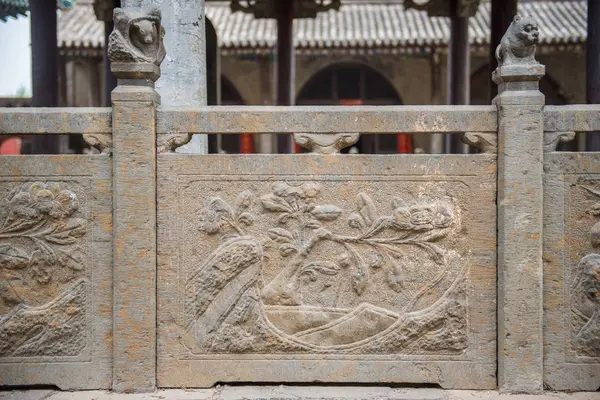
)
(477, 365)
(93, 368)
(563, 370)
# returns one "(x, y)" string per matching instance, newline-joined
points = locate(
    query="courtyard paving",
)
(293, 393)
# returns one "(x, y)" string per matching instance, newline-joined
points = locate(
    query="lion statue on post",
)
(518, 43)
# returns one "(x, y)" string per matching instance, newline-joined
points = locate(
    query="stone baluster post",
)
(520, 221)
(136, 51)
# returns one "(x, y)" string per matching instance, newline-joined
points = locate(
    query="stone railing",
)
(140, 267)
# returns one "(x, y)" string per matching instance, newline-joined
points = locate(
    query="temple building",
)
(363, 52)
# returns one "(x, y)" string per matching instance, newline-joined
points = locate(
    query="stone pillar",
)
(459, 74)
(592, 139)
(520, 221)
(44, 67)
(134, 198)
(183, 74)
(285, 64)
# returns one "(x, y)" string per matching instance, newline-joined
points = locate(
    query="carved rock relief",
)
(292, 274)
(585, 288)
(42, 271)
(517, 46)
(137, 37)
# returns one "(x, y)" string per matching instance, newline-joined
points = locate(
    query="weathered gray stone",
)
(59, 121)
(571, 271)
(486, 142)
(325, 392)
(517, 46)
(137, 38)
(25, 395)
(184, 71)
(324, 143)
(572, 117)
(134, 198)
(326, 268)
(293, 393)
(520, 221)
(327, 119)
(552, 139)
(55, 271)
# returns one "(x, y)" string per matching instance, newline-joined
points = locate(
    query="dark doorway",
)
(356, 84)
(234, 143)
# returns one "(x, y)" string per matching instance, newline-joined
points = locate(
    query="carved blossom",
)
(418, 224)
(43, 215)
(218, 214)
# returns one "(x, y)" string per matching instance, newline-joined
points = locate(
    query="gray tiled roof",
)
(79, 28)
(13, 8)
(356, 26)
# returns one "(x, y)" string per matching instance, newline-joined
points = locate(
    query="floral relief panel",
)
(56, 271)
(321, 277)
(385, 265)
(572, 271)
(43, 275)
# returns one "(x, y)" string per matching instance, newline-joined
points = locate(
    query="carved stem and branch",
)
(417, 225)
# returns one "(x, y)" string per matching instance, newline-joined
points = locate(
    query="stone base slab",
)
(293, 393)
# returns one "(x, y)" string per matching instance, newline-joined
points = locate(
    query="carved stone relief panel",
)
(55, 313)
(572, 271)
(356, 264)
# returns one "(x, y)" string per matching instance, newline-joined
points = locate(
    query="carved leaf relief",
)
(233, 304)
(585, 288)
(42, 278)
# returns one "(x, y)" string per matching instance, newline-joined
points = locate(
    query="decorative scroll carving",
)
(137, 37)
(486, 142)
(101, 142)
(168, 143)
(517, 46)
(41, 255)
(326, 143)
(551, 139)
(229, 309)
(586, 289)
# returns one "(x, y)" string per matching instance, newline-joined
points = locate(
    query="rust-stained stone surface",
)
(134, 238)
(136, 50)
(572, 271)
(520, 208)
(327, 119)
(328, 268)
(56, 271)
